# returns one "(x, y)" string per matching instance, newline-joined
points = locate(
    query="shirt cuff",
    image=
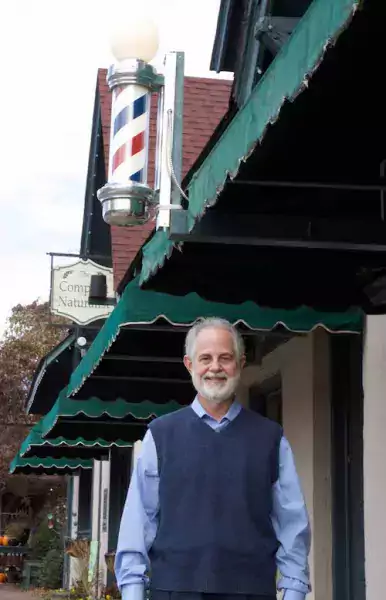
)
(292, 595)
(289, 584)
(136, 591)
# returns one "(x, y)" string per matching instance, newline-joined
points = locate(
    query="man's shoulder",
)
(257, 420)
(170, 419)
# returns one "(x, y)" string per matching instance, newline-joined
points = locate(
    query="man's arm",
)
(139, 523)
(292, 528)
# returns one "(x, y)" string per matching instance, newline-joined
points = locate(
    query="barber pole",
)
(129, 134)
(127, 199)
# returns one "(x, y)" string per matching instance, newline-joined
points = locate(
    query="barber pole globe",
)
(129, 137)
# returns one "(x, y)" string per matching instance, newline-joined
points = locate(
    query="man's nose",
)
(215, 366)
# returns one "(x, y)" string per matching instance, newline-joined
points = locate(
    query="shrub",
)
(47, 546)
(51, 571)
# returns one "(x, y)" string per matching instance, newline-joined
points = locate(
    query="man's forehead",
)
(214, 338)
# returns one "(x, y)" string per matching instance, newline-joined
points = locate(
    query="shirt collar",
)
(232, 413)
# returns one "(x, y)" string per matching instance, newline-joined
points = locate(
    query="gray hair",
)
(217, 322)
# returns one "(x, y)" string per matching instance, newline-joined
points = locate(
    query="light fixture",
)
(81, 342)
(98, 287)
(134, 35)
(98, 291)
(127, 197)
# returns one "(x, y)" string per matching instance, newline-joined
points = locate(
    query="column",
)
(95, 522)
(306, 420)
(374, 453)
(104, 520)
(95, 500)
(74, 510)
(322, 526)
(99, 523)
(136, 450)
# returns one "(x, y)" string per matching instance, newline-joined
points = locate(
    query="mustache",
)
(222, 376)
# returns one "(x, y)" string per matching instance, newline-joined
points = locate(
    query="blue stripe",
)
(139, 106)
(137, 176)
(121, 119)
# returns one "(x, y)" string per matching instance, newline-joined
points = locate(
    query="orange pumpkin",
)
(3, 578)
(5, 540)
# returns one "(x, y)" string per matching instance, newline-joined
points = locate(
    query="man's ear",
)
(188, 363)
(242, 361)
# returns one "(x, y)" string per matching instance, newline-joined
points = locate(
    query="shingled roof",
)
(205, 103)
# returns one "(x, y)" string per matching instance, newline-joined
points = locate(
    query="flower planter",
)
(60, 595)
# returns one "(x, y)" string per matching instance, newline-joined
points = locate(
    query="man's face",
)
(214, 367)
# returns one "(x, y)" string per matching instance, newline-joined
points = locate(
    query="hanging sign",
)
(70, 288)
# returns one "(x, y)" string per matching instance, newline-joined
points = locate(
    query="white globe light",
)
(134, 35)
(81, 341)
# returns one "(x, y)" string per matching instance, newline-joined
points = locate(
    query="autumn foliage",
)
(29, 336)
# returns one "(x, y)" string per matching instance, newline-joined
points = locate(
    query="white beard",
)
(216, 392)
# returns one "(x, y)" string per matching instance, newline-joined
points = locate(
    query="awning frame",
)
(322, 24)
(95, 409)
(48, 465)
(44, 364)
(35, 440)
(137, 306)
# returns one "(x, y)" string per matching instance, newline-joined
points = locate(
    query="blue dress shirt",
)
(139, 520)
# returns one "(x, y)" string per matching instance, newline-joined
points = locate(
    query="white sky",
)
(50, 51)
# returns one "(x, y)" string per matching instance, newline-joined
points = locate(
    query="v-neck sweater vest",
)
(215, 533)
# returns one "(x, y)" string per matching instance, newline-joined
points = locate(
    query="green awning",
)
(137, 306)
(48, 466)
(286, 77)
(51, 375)
(37, 447)
(117, 422)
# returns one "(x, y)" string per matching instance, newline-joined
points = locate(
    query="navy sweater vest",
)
(215, 533)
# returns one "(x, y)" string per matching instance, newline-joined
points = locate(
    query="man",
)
(214, 506)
